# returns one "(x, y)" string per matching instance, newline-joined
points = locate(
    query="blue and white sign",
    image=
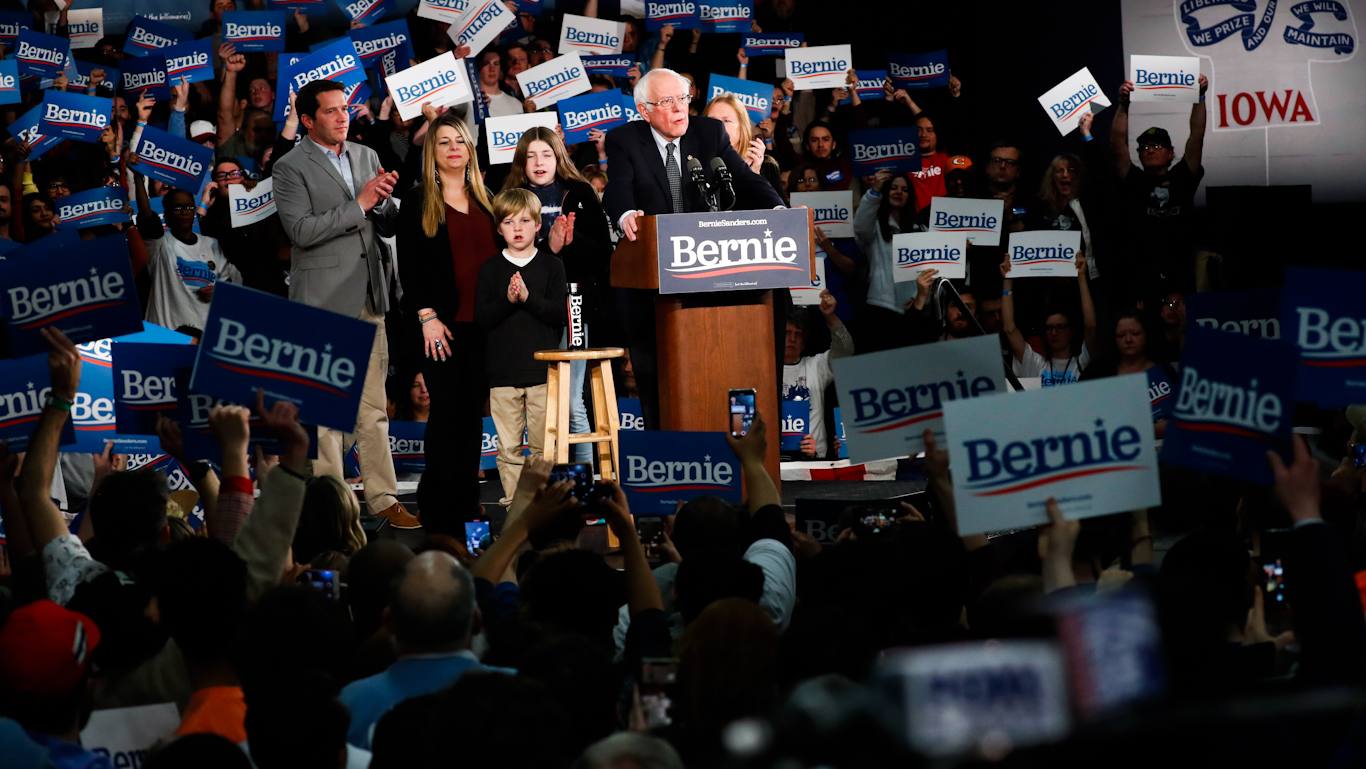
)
(757, 97)
(796, 425)
(821, 66)
(336, 61)
(559, 78)
(628, 409)
(1038, 253)
(178, 162)
(893, 396)
(726, 251)
(9, 82)
(918, 71)
(915, 252)
(309, 7)
(726, 16)
(189, 62)
(615, 64)
(148, 35)
(1161, 392)
(1236, 401)
(312, 358)
(113, 78)
(84, 27)
(254, 30)
(590, 37)
(10, 24)
(1321, 310)
(977, 220)
(374, 41)
(147, 73)
(482, 25)
(886, 149)
(85, 290)
(811, 296)
(1089, 445)
(602, 111)
(447, 11)
(843, 452)
(365, 11)
(871, 83)
(628, 103)
(1252, 313)
(24, 386)
(248, 206)
(503, 133)
(92, 410)
(1066, 101)
(25, 129)
(407, 444)
(771, 45)
(193, 410)
(661, 469)
(74, 115)
(488, 456)
(41, 54)
(144, 382)
(682, 14)
(96, 206)
(834, 211)
(439, 81)
(1167, 79)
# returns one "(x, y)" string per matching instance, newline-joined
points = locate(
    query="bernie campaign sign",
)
(1166, 79)
(843, 444)
(407, 444)
(894, 396)
(591, 37)
(74, 115)
(885, 149)
(916, 252)
(503, 133)
(84, 27)
(482, 24)
(85, 290)
(629, 411)
(1051, 253)
(615, 65)
(312, 358)
(25, 130)
(771, 45)
(1066, 101)
(834, 211)
(309, 7)
(254, 30)
(757, 97)
(374, 41)
(660, 469)
(365, 11)
(1252, 313)
(601, 111)
(796, 425)
(918, 71)
(147, 35)
(178, 162)
(251, 206)
(821, 66)
(24, 387)
(724, 251)
(811, 295)
(113, 78)
(682, 14)
(1321, 312)
(488, 454)
(192, 414)
(144, 383)
(41, 55)
(92, 410)
(10, 24)
(726, 16)
(1236, 401)
(190, 62)
(559, 78)
(1161, 392)
(9, 82)
(147, 73)
(978, 220)
(871, 83)
(447, 11)
(1089, 445)
(337, 61)
(100, 205)
(439, 82)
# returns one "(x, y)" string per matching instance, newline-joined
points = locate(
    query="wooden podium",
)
(708, 343)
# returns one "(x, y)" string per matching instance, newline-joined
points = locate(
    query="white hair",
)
(642, 92)
(640, 749)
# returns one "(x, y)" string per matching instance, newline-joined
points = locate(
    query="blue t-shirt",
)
(370, 698)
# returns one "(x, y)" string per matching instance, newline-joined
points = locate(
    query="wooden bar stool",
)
(558, 402)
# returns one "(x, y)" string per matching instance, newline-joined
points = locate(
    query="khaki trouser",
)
(372, 429)
(515, 409)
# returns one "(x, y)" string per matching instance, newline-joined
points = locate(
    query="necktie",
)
(675, 178)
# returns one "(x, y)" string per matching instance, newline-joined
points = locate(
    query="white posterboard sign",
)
(1044, 253)
(441, 81)
(1089, 445)
(448, 11)
(124, 735)
(548, 83)
(248, 207)
(834, 211)
(888, 399)
(1167, 79)
(915, 252)
(822, 66)
(480, 25)
(591, 37)
(977, 220)
(1066, 101)
(503, 133)
(811, 296)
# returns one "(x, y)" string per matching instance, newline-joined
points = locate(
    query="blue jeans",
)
(579, 453)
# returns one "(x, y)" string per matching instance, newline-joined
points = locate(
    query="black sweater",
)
(517, 331)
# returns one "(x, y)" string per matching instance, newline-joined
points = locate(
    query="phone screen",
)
(657, 679)
(585, 488)
(323, 579)
(741, 406)
(1359, 454)
(476, 537)
(651, 531)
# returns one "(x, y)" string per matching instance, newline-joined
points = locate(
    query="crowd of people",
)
(285, 637)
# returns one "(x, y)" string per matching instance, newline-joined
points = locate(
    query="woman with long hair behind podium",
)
(445, 232)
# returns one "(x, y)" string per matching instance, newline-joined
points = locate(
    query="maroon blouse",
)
(471, 243)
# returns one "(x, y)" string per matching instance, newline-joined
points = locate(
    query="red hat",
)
(45, 649)
(960, 163)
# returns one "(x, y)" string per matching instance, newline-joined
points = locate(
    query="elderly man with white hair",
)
(648, 161)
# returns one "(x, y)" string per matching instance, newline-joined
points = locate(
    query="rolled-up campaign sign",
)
(147, 35)
(178, 162)
(254, 30)
(93, 207)
(41, 54)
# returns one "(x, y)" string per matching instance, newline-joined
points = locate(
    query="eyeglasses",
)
(221, 175)
(1150, 147)
(57, 186)
(669, 101)
(180, 209)
(541, 49)
(1063, 171)
(1010, 162)
(1053, 328)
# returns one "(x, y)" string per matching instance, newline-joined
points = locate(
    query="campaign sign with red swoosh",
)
(559, 78)
(733, 250)
(892, 397)
(660, 469)
(312, 358)
(24, 385)
(144, 382)
(1089, 445)
(192, 411)
(1235, 401)
(581, 114)
(1066, 101)
(1321, 312)
(918, 71)
(84, 288)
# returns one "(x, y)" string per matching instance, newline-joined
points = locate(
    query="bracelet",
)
(1202, 98)
(743, 66)
(602, 162)
(61, 404)
(1006, 292)
(1088, 137)
(427, 319)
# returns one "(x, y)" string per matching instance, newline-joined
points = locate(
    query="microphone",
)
(723, 181)
(699, 178)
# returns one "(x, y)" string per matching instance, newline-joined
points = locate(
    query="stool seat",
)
(592, 353)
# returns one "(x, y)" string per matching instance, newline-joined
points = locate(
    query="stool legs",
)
(605, 410)
(552, 410)
(562, 415)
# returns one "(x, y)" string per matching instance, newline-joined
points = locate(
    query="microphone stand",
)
(974, 326)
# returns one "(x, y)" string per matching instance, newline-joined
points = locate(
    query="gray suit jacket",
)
(337, 248)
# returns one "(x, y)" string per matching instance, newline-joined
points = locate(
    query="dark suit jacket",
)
(636, 178)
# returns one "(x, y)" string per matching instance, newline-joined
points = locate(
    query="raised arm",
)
(1119, 131)
(642, 591)
(751, 449)
(1195, 143)
(233, 63)
(666, 33)
(1088, 308)
(45, 521)
(1012, 332)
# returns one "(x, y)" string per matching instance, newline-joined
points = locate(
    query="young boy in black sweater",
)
(520, 303)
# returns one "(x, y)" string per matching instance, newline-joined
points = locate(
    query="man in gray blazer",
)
(333, 199)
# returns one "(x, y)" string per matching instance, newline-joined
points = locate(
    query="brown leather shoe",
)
(399, 517)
